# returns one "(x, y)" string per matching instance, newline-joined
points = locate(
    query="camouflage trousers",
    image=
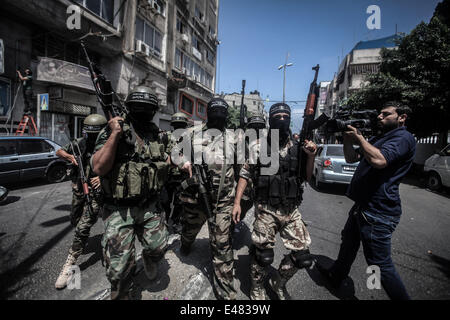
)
(78, 202)
(122, 225)
(268, 222)
(220, 240)
(84, 225)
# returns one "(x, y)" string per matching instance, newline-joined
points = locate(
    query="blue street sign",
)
(43, 102)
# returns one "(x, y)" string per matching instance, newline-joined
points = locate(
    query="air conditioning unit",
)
(184, 38)
(142, 48)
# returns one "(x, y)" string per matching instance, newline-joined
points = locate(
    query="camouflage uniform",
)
(269, 220)
(132, 209)
(175, 177)
(220, 226)
(82, 218)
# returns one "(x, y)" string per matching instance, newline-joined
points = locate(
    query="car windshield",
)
(337, 151)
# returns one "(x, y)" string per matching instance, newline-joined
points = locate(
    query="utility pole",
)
(284, 75)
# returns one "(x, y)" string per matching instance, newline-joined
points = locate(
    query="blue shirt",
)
(377, 189)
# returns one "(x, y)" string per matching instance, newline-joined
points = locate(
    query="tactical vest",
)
(138, 173)
(284, 189)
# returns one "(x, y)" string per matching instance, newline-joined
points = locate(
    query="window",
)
(178, 58)
(187, 64)
(198, 13)
(8, 147)
(103, 8)
(5, 96)
(149, 35)
(31, 146)
(208, 80)
(186, 104)
(180, 25)
(201, 109)
(196, 42)
(212, 31)
(47, 146)
(159, 5)
(210, 57)
(335, 151)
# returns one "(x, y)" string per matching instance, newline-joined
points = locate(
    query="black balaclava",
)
(179, 125)
(217, 111)
(91, 138)
(282, 125)
(141, 115)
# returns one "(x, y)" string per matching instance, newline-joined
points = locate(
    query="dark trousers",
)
(28, 100)
(374, 231)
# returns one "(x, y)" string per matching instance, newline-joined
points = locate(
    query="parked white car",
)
(437, 168)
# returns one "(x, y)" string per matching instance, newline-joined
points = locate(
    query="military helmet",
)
(140, 97)
(94, 123)
(217, 103)
(279, 108)
(179, 117)
(256, 122)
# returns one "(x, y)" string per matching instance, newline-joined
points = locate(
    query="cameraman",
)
(385, 159)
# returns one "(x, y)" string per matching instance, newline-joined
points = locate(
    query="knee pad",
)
(264, 257)
(302, 258)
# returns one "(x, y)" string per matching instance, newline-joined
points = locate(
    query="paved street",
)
(35, 235)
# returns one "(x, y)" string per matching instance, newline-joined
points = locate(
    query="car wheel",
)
(317, 183)
(56, 173)
(434, 181)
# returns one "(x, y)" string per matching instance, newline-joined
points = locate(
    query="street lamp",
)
(284, 66)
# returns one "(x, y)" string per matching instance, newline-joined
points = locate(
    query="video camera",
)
(363, 120)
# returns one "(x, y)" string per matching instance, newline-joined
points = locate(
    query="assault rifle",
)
(84, 180)
(201, 174)
(106, 96)
(309, 123)
(201, 178)
(243, 113)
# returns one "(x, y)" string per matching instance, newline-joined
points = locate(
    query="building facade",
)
(135, 42)
(253, 101)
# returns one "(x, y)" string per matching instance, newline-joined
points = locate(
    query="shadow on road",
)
(9, 200)
(142, 283)
(55, 222)
(336, 189)
(443, 264)
(29, 184)
(63, 207)
(94, 245)
(346, 290)
(199, 257)
(13, 276)
(242, 237)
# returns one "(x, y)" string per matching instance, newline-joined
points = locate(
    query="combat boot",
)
(66, 272)
(257, 291)
(278, 285)
(150, 268)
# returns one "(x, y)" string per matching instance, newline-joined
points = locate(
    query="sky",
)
(257, 35)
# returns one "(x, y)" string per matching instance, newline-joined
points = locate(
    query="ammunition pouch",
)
(135, 180)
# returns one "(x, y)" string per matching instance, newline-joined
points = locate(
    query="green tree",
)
(416, 74)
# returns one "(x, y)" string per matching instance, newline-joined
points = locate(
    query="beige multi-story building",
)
(253, 101)
(168, 45)
(364, 59)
